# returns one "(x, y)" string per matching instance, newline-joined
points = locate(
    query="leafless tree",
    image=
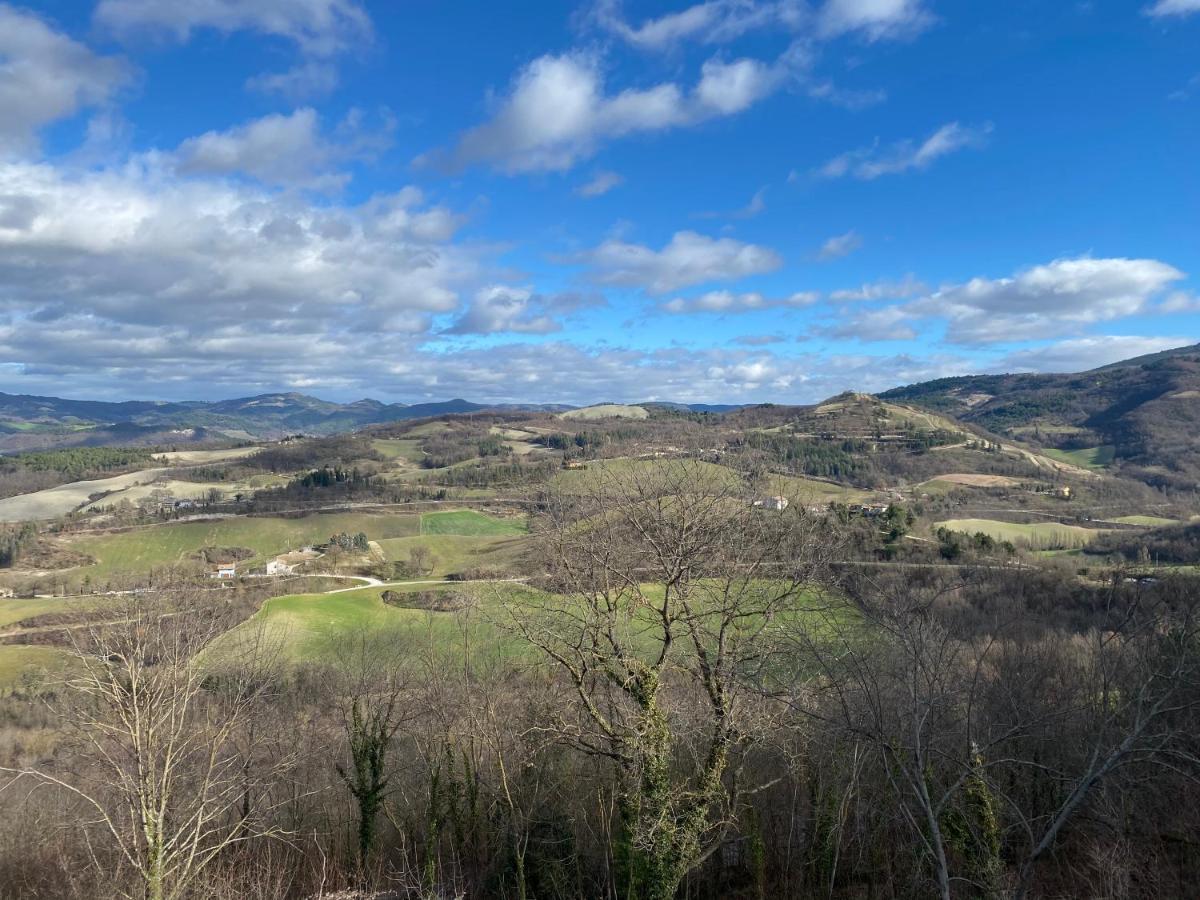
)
(160, 773)
(669, 587)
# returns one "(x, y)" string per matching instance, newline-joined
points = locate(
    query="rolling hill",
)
(1140, 416)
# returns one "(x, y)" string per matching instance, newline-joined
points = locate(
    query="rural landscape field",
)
(483, 606)
(601, 450)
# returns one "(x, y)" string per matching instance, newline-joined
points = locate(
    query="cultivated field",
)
(969, 479)
(65, 498)
(606, 411)
(1087, 458)
(140, 549)
(1035, 536)
(469, 522)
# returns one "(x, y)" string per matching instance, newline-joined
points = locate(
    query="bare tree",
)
(668, 587)
(371, 684)
(993, 745)
(162, 775)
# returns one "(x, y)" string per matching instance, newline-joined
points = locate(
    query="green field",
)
(306, 627)
(469, 522)
(13, 611)
(453, 553)
(137, 550)
(1035, 536)
(409, 450)
(17, 660)
(1087, 458)
(1149, 521)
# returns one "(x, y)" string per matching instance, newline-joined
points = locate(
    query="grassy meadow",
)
(1087, 458)
(1034, 536)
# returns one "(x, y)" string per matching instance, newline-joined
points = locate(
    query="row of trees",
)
(699, 699)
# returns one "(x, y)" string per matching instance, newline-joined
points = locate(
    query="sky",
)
(730, 201)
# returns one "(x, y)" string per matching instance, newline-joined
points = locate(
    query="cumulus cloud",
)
(874, 19)
(1083, 354)
(689, 258)
(558, 111)
(1173, 8)
(502, 308)
(599, 184)
(840, 245)
(729, 302)
(46, 76)
(1060, 296)
(276, 149)
(872, 162)
(287, 150)
(139, 256)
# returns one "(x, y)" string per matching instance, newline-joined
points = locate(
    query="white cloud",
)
(122, 253)
(501, 308)
(320, 30)
(275, 149)
(889, 323)
(319, 27)
(689, 258)
(557, 111)
(872, 162)
(840, 245)
(715, 21)
(1039, 302)
(759, 340)
(1173, 8)
(908, 286)
(1083, 354)
(874, 19)
(46, 76)
(307, 79)
(721, 21)
(1180, 302)
(729, 302)
(756, 206)
(599, 184)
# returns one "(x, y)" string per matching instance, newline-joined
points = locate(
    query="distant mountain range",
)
(1141, 415)
(31, 422)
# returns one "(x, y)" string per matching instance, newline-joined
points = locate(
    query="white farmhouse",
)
(772, 503)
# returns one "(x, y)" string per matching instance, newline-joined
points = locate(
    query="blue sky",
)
(725, 201)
